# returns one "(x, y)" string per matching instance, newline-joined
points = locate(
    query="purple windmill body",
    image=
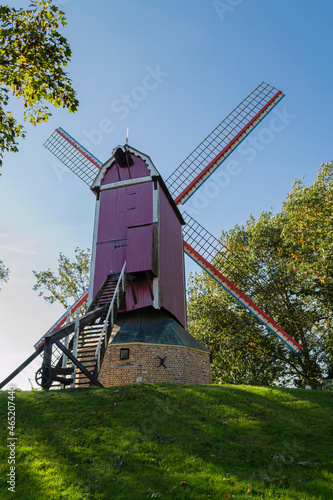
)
(137, 222)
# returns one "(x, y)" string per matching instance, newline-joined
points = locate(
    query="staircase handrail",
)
(116, 295)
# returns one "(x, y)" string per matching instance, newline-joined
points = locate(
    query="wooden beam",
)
(63, 381)
(22, 366)
(68, 329)
(46, 366)
(78, 364)
(133, 292)
(62, 371)
(47, 353)
(149, 285)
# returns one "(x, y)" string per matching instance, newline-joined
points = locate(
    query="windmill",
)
(135, 326)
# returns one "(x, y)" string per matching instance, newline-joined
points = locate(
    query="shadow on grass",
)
(171, 440)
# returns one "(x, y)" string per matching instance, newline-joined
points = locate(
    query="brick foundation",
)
(184, 365)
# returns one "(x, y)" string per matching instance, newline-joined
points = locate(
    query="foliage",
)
(171, 441)
(33, 54)
(71, 281)
(308, 234)
(242, 352)
(4, 272)
(286, 268)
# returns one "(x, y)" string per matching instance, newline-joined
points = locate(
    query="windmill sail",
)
(76, 157)
(217, 146)
(207, 252)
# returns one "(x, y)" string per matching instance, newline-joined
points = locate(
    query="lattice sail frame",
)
(228, 135)
(218, 145)
(76, 157)
(202, 247)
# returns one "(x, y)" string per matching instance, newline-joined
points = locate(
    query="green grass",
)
(170, 441)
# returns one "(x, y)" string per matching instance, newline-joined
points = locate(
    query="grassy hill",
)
(170, 441)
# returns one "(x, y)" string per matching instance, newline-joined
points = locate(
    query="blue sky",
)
(206, 57)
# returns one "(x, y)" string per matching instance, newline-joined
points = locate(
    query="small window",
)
(124, 353)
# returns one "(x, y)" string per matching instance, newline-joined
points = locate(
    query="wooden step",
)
(87, 349)
(86, 361)
(90, 344)
(106, 292)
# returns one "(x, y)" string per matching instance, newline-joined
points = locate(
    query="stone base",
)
(181, 364)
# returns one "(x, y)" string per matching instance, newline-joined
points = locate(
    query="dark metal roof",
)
(153, 326)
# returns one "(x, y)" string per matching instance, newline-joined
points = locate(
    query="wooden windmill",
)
(135, 326)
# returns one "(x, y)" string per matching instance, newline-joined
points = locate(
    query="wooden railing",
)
(110, 317)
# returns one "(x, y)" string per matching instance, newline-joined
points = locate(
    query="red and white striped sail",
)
(204, 249)
(242, 299)
(218, 145)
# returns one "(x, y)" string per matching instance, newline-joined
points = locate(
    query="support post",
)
(47, 362)
(64, 357)
(75, 344)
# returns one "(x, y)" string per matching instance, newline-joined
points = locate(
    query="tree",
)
(4, 272)
(284, 262)
(33, 54)
(71, 281)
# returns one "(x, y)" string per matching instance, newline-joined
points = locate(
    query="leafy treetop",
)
(71, 281)
(33, 54)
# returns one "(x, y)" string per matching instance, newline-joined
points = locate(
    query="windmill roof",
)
(154, 173)
(99, 177)
(153, 326)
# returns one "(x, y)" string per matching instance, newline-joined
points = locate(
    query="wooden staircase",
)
(90, 336)
(106, 292)
(87, 344)
(74, 352)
